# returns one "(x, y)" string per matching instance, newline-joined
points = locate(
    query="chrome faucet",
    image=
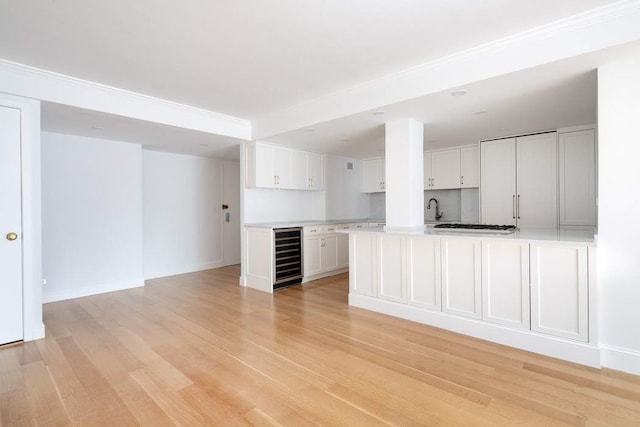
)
(438, 214)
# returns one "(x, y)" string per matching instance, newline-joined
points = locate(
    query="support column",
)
(404, 180)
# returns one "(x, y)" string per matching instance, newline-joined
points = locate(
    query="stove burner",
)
(478, 227)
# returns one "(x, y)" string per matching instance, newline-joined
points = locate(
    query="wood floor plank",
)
(197, 349)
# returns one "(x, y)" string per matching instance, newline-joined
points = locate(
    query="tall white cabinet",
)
(373, 176)
(519, 181)
(577, 177)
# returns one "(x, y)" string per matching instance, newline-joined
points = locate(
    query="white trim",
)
(620, 359)
(189, 268)
(573, 351)
(23, 80)
(65, 294)
(599, 28)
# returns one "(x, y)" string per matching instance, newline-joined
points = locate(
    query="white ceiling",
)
(152, 136)
(251, 57)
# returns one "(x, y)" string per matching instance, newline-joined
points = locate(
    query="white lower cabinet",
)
(392, 268)
(312, 255)
(362, 261)
(461, 290)
(320, 254)
(329, 252)
(343, 250)
(559, 290)
(505, 283)
(423, 273)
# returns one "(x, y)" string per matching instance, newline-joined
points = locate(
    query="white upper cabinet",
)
(469, 167)
(519, 181)
(448, 169)
(577, 174)
(273, 166)
(315, 171)
(373, 176)
(445, 169)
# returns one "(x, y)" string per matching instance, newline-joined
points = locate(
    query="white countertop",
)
(287, 224)
(529, 234)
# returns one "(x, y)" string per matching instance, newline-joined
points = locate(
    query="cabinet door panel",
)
(469, 167)
(265, 166)
(299, 170)
(537, 170)
(424, 279)
(372, 176)
(343, 250)
(559, 286)
(577, 167)
(445, 169)
(498, 181)
(315, 171)
(329, 252)
(505, 283)
(283, 161)
(362, 264)
(461, 291)
(391, 273)
(427, 171)
(311, 255)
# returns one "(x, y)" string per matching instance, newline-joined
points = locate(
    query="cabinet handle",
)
(518, 209)
(322, 243)
(514, 206)
(461, 180)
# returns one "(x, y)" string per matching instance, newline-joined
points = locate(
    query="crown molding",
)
(599, 28)
(31, 82)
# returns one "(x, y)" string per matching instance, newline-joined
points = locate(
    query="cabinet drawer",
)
(328, 229)
(312, 230)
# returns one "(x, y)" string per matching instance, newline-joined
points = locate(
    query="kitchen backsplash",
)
(455, 205)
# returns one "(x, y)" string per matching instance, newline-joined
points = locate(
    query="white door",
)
(505, 283)
(10, 227)
(461, 290)
(537, 195)
(498, 181)
(231, 214)
(445, 167)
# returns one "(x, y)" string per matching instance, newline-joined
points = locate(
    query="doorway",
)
(11, 303)
(230, 212)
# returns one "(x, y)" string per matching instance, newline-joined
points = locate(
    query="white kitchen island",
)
(533, 289)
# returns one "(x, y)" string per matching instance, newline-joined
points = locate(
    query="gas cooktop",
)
(477, 228)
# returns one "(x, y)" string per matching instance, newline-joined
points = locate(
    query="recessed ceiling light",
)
(204, 145)
(344, 139)
(309, 130)
(378, 113)
(482, 112)
(98, 128)
(459, 92)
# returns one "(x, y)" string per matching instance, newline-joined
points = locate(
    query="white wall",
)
(619, 214)
(269, 205)
(91, 216)
(342, 187)
(182, 220)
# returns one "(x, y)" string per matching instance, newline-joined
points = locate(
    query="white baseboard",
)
(35, 334)
(620, 359)
(306, 279)
(100, 288)
(190, 268)
(572, 351)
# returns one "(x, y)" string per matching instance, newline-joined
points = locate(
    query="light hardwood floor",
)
(197, 349)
